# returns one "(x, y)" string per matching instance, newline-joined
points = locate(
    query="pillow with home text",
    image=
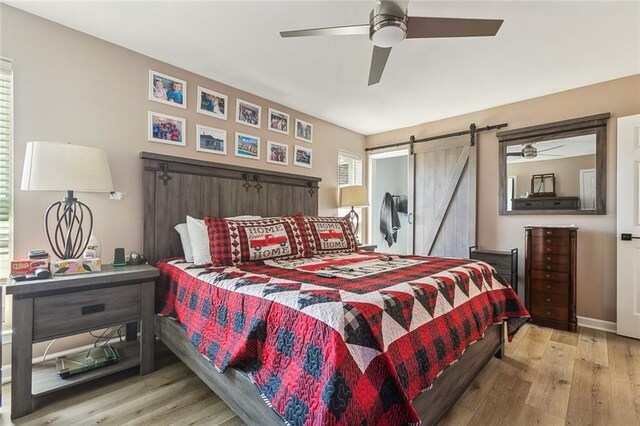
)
(232, 242)
(329, 235)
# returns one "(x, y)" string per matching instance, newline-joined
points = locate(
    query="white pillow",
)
(186, 241)
(199, 237)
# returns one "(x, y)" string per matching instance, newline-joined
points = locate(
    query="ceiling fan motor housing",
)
(388, 25)
(529, 151)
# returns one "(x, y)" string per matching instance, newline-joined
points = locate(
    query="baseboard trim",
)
(597, 324)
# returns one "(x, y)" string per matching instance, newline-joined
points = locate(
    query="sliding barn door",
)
(444, 207)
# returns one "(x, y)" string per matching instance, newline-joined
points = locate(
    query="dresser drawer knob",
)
(548, 299)
(548, 248)
(548, 258)
(549, 267)
(548, 240)
(547, 275)
(549, 233)
(548, 286)
(549, 313)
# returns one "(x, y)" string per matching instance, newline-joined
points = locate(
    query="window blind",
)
(349, 169)
(6, 122)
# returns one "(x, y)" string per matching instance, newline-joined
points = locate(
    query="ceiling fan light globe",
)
(529, 151)
(388, 33)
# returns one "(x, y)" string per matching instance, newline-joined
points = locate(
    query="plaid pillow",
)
(329, 235)
(233, 242)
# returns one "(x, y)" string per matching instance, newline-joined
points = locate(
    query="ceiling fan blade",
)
(329, 31)
(378, 62)
(549, 149)
(514, 154)
(551, 155)
(425, 27)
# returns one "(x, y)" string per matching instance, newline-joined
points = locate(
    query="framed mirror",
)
(554, 168)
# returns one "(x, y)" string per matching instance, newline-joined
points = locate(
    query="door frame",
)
(379, 156)
(582, 197)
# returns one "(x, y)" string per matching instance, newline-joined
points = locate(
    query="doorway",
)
(389, 219)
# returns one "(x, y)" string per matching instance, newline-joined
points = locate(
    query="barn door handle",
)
(410, 219)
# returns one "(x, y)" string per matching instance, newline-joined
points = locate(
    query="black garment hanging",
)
(389, 219)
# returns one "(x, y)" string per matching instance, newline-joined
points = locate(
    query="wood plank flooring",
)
(547, 377)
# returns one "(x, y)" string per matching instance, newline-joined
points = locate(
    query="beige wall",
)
(76, 88)
(566, 171)
(596, 237)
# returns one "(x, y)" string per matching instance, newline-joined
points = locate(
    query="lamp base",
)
(355, 223)
(67, 232)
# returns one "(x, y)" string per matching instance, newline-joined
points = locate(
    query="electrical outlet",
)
(116, 195)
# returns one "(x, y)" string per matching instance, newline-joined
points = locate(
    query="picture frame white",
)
(303, 131)
(155, 130)
(278, 121)
(167, 88)
(303, 156)
(212, 103)
(211, 140)
(247, 146)
(277, 153)
(248, 113)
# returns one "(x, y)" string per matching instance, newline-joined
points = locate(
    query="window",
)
(350, 173)
(6, 122)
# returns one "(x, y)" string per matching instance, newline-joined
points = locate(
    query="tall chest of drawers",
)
(550, 276)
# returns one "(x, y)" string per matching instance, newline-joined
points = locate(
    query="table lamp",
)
(354, 196)
(55, 166)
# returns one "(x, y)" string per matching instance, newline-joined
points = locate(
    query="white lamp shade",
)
(56, 166)
(354, 196)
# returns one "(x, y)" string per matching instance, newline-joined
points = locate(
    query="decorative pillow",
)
(199, 237)
(329, 235)
(185, 240)
(233, 242)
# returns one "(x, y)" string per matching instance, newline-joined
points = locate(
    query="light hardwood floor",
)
(548, 377)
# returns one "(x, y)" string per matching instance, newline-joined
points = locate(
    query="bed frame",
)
(174, 187)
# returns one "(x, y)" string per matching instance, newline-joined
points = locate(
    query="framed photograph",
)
(167, 129)
(277, 153)
(304, 131)
(248, 113)
(278, 121)
(167, 90)
(209, 139)
(212, 103)
(302, 156)
(247, 146)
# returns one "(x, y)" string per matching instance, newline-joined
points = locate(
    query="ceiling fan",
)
(389, 24)
(530, 151)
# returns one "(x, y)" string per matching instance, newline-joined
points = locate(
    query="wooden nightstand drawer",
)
(550, 276)
(86, 310)
(550, 312)
(560, 259)
(544, 299)
(550, 248)
(550, 266)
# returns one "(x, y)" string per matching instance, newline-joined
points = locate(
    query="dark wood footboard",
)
(242, 396)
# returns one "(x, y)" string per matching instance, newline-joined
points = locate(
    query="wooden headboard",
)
(174, 187)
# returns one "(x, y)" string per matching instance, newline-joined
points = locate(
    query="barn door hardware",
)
(164, 177)
(472, 133)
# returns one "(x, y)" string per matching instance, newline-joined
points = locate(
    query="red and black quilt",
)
(348, 338)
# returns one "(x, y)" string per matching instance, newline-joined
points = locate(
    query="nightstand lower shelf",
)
(45, 377)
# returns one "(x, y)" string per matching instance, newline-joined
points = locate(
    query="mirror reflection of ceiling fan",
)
(389, 24)
(530, 151)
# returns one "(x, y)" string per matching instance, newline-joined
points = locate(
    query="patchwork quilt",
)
(347, 338)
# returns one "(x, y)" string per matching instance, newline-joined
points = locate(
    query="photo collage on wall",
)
(172, 130)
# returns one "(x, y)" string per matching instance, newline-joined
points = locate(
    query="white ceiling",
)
(542, 48)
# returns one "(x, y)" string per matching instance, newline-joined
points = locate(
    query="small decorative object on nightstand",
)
(67, 305)
(505, 262)
(368, 247)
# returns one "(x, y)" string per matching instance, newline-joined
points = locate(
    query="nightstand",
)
(368, 247)
(73, 304)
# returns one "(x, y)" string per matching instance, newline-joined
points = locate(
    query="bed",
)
(255, 388)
